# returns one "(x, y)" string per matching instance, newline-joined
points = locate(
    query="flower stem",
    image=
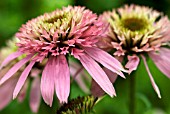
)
(132, 94)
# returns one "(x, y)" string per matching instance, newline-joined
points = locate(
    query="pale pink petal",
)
(74, 67)
(6, 91)
(76, 52)
(96, 90)
(81, 83)
(22, 79)
(133, 62)
(97, 74)
(35, 95)
(47, 81)
(23, 92)
(105, 59)
(15, 68)
(4, 71)
(79, 79)
(112, 76)
(151, 78)
(62, 79)
(162, 60)
(10, 58)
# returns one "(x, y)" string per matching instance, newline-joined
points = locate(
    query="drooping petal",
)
(151, 78)
(162, 60)
(74, 69)
(10, 58)
(96, 90)
(6, 91)
(47, 81)
(106, 60)
(80, 81)
(22, 79)
(132, 63)
(15, 68)
(112, 76)
(35, 95)
(22, 94)
(97, 74)
(62, 79)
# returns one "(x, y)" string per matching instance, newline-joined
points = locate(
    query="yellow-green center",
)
(134, 24)
(56, 18)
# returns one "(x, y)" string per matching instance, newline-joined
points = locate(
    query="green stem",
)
(132, 94)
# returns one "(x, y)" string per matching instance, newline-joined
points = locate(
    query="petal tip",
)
(63, 101)
(50, 104)
(123, 76)
(14, 96)
(113, 95)
(159, 96)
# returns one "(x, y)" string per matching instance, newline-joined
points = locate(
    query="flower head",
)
(52, 37)
(135, 30)
(82, 105)
(61, 32)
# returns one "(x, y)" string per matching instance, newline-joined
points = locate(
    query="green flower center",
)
(57, 18)
(134, 24)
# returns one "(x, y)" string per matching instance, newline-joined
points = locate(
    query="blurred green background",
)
(13, 13)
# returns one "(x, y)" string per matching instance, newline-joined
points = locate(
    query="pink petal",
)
(15, 68)
(76, 52)
(22, 79)
(35, 96)
(151, 78)
(62, 79)
(74, 67)
(132, 63)
(47, 81)
(97, 74)
(112, 76)
(6, 91)
(96, 90)
(23, 92)
(10, 58)
(162, 60)
(105, 59)
(81, 83)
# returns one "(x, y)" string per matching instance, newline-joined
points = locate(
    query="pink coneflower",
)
(72, 31)
(7, 88)
(135, 31)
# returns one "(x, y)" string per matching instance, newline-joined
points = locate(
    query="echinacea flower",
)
(136, 31)
(8, 87)
(71, 31)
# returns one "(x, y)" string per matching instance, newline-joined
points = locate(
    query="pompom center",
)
(134, 24)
